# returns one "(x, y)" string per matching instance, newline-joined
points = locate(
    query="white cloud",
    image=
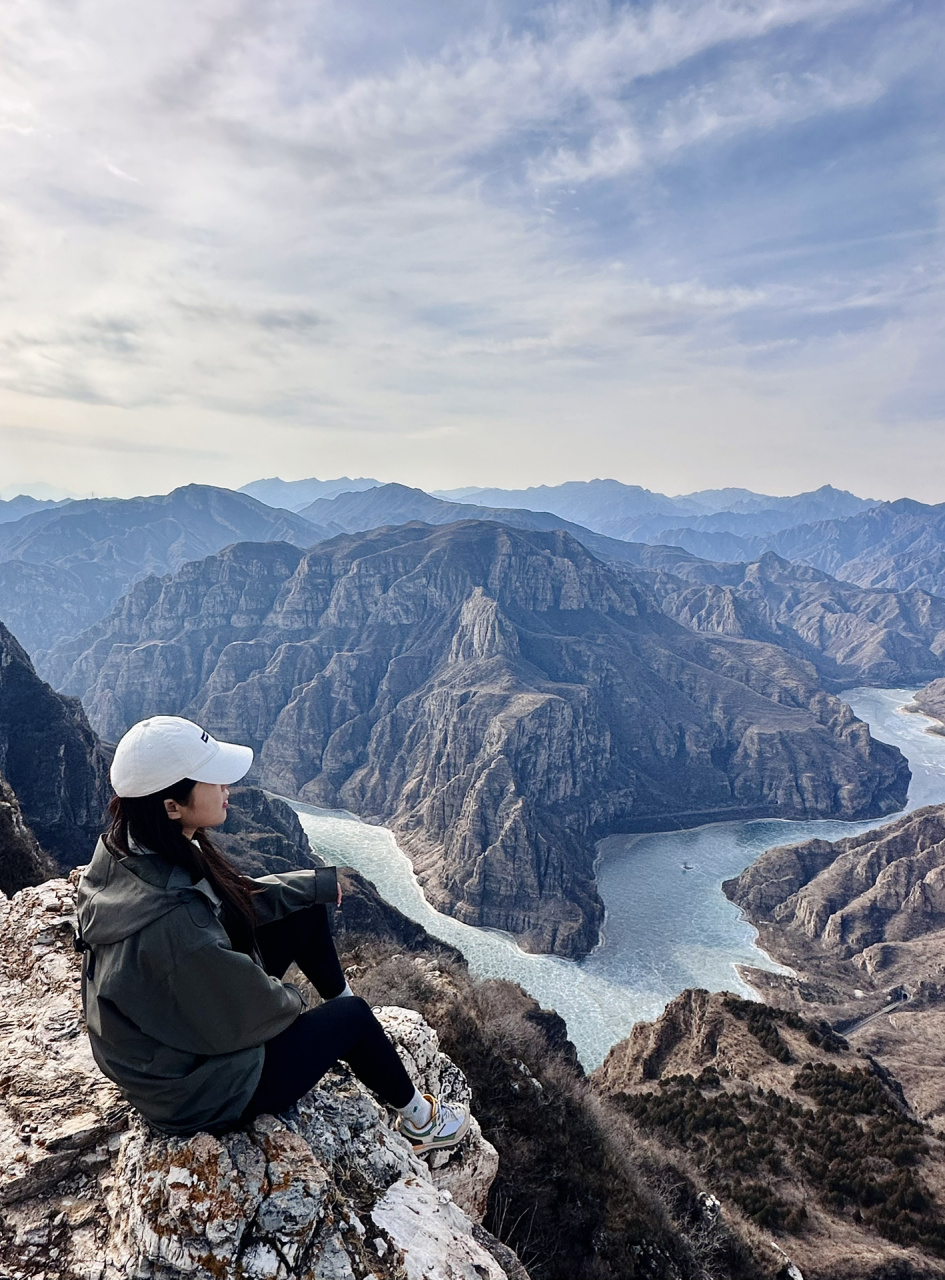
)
(207, 213)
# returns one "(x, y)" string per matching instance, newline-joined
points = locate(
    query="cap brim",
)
(228, 765)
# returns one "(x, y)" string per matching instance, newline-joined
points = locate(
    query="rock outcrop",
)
(931, 700)
(50, 759)
(793, 1130)
(862, 923)
(880, 889)
(328, 1191)
(22, 862)
(502, 698)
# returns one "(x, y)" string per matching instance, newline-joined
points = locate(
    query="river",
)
(668, 925)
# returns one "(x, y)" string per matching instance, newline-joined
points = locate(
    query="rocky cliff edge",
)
(327, 1192)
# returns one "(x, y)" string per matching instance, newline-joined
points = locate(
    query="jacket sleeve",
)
(290, 891)
(216, 1000)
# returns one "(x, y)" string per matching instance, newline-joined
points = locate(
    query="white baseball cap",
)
(160, 751)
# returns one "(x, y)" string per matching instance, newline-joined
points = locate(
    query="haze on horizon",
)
(683, 243)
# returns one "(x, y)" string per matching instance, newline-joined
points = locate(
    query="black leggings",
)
(297, 1058)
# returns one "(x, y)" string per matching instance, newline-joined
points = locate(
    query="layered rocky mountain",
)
(794, 1131)
(52, 763)
(499, 696)
(852, 635)
(393, 504)
(861, 921)
(865, 899)
(63, 567)
(894, 545)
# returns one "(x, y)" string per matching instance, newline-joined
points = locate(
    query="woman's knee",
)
(353, 1009)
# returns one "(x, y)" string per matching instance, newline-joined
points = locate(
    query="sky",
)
(685, 244)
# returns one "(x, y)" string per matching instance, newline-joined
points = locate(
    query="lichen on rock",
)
(328, 1191)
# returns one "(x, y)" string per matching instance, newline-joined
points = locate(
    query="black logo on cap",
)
(205, 737)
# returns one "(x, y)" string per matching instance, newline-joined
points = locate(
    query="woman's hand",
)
(338, 899)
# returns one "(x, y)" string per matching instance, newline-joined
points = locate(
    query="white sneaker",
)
(447, 1126)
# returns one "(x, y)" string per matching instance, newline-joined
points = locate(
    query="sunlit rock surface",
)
(327, 1192)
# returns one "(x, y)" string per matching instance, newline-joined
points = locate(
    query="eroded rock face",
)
(22, 862)
(861, 921)
(329, 1191)
(51, 759)
(884, 886)
(931, 699)
(852, 635)
(500, 697)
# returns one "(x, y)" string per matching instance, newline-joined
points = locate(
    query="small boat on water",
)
(687, 866)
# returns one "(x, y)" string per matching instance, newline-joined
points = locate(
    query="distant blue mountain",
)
(293, 495)
(23, 505)
(631, 512)
(62, 567)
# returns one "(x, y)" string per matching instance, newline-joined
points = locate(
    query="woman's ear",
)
(172, 808)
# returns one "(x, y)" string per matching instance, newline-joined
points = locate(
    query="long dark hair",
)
(145, 820)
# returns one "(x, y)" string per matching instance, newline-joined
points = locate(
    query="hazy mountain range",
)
(63, 567)
(501, 683)
(295, 494)
(631, 512)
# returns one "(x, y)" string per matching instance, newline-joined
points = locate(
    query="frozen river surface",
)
(668, 925)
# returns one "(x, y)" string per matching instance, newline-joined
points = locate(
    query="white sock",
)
(418, 1111)
(345, 991)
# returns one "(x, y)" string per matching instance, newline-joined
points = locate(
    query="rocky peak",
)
(482, 631)
(793, 1130)
(329, 1190)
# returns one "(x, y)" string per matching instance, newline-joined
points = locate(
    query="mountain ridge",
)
(62, 568)
(500, 696)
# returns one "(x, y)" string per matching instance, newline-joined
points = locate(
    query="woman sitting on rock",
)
(181, 985)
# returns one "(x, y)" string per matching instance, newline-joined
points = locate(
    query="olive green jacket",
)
(176, 1017)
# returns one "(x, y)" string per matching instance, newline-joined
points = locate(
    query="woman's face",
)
(205, 807)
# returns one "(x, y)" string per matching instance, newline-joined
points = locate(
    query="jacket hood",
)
(119, 896)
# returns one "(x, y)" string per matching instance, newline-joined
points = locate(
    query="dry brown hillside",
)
(797, 1134)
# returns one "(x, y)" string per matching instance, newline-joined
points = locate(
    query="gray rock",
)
(328, 1190)
(851, 634)
(883, 886)
(22, 862)
(51, 760)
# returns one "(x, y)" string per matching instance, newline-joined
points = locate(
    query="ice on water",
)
(668, 925)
